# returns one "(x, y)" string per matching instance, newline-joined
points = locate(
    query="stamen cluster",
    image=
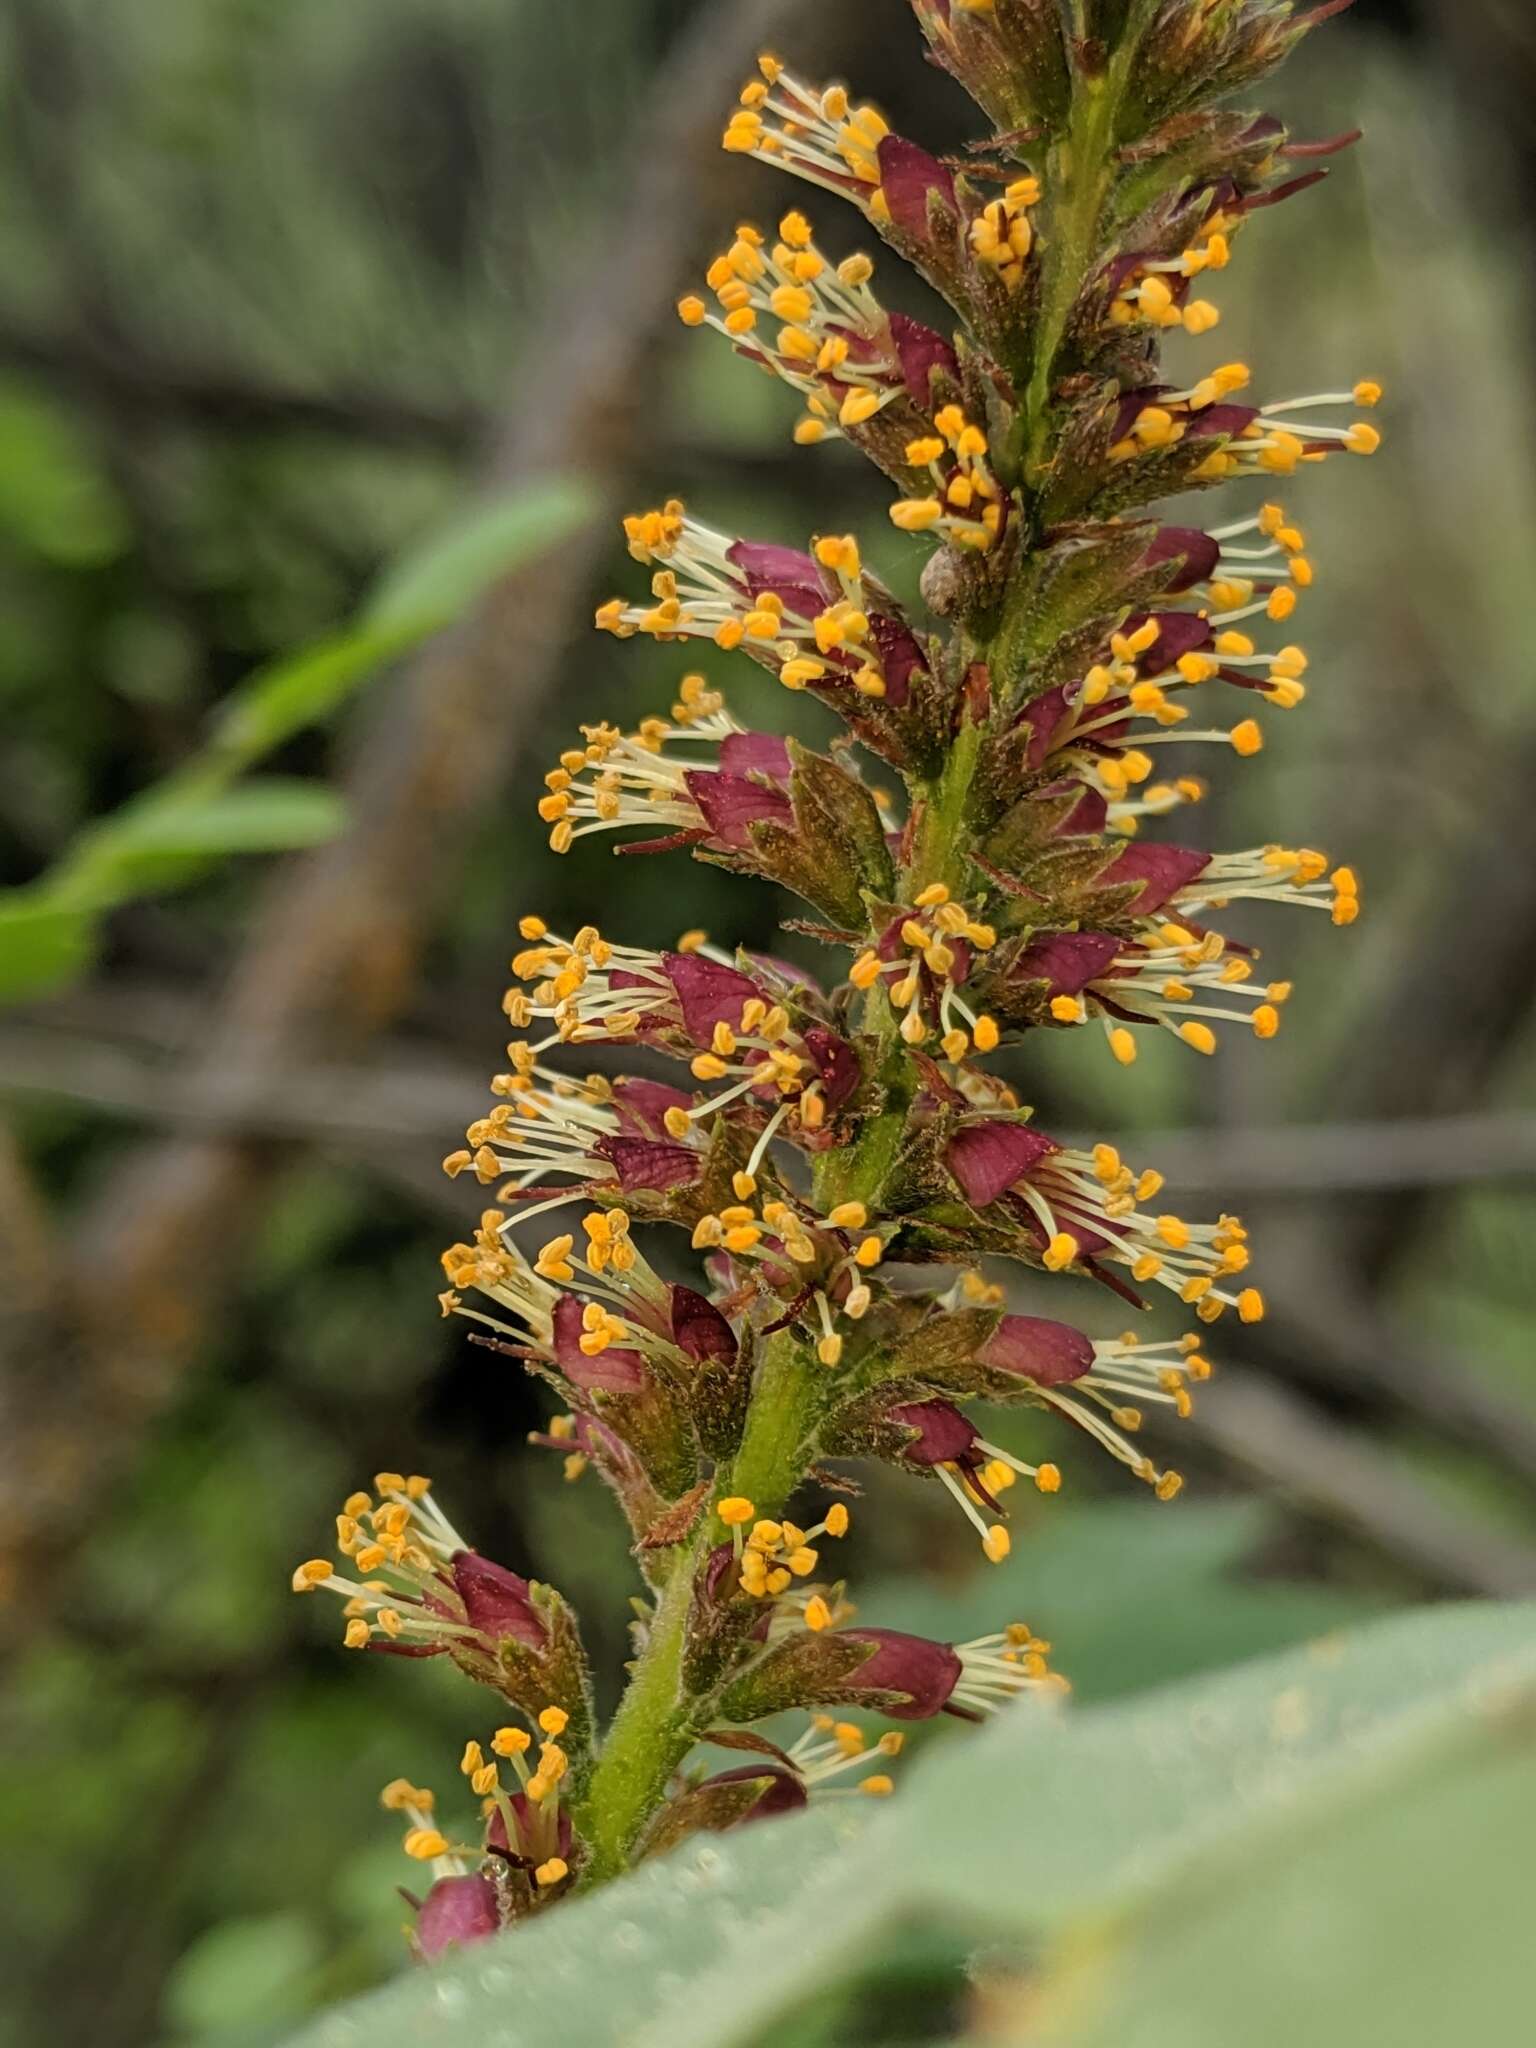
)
(969, 848)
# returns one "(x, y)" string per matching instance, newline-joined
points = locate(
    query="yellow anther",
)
(818, 1615)
(423, 1844)
(986, 1035)
(554, 1720)
(734, 1510)
(848, 1216)
(1247, 737)
(836, 1520)
(1250, 1306)
(1048, 1478)
(1060, 1252)
(1199, 1035)
(311, 1574)
(511, 1742)
(551, 1872)
(996, 1543)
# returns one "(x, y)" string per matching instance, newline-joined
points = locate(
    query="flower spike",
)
(810, 1134)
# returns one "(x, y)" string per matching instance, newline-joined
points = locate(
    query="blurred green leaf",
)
(1131, 1596)
(244, 1973)
(1033, 1827)
(436, 580)
(302, 689)
(43, 945)
(267, 814)
(54, 497)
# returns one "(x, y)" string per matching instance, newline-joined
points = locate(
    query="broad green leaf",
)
(1402, 1914)
(438, 579)
(590, 1973)
(1019, 1830)
(43, 945)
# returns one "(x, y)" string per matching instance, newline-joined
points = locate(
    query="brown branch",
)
(333, 954)
(403, 1098)
(1342, 1476)
(220, 398)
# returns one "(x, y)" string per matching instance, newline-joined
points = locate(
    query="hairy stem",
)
(650, 1735)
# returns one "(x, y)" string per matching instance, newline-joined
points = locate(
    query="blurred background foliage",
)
(301, 311)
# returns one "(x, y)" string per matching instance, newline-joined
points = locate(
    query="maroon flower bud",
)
(1196, 553)
(923, 1673)
(783, 1792)
(943, 1436)
(457, 1911)
(1051, 1354)
(987, 1158)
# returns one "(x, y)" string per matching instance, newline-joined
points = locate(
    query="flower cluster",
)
(841, 1149)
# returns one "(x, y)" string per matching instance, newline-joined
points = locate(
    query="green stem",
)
(650, 1735)
(778, 1441)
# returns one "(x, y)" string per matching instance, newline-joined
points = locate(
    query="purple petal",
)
(835, 1061)
(756, 753)
(987, 1158)
(907, 175)
(921, 350)
(457, 1911)
(647, 1166)
(787, 573)
(731, 804)
(611, 1372)
(1160, 869)
(901, 657)
(1177, 633)
(1043, 717)
(642, 1105)
(1050, 1354)
(699, 1329)
(1089, 814)
(1200, 554)
(709, 993)
(1220, 419)
(496, 1601)
(1066, 961)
